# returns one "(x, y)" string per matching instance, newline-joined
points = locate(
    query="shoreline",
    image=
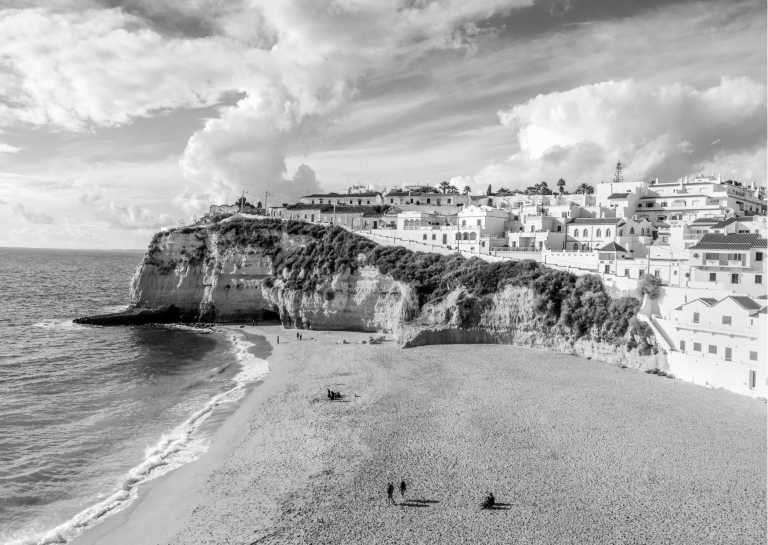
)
(288, 466)
(180, 481)
(175, 447)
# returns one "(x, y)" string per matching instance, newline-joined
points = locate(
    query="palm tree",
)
(444, 186)
(561, 185)
(466, 190)
(585, 189)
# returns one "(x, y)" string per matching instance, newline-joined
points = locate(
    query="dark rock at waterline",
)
(134, 316)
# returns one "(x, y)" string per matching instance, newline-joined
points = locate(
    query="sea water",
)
(88, 413)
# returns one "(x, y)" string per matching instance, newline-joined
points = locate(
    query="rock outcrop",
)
(259, 271)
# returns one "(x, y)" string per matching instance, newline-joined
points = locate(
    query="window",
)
(463, 223)
(607, 232)
(478, 222)
(725, 320)
(713, 277)
(424, 236)
(758, 256)
(728, 356)
(695, 317)
(584, 233)
(753, 355)
(697, 347)
(735, 278)
(758, 279)
(682, 346)
(433, 236)
(626, 273)
(599, 233)
(712, 349)
(640, 273)
(752, 379)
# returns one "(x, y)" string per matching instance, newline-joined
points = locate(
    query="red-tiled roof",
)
(613, 247)
(596, 221)
(618, 195)
(733, 241)
(745, 302)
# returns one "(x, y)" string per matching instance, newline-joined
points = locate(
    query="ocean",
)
(88, 413)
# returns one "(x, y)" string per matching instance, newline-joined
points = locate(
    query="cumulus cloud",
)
(104, 67)
(662, 131)
(7, 148)
(32, 216)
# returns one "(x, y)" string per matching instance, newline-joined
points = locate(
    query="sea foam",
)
(174, 449)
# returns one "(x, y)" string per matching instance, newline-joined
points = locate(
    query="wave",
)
(61, 324)
(174, 449)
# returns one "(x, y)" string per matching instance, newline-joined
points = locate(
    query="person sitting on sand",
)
(402, 489)
(489, 501)
(390, 492)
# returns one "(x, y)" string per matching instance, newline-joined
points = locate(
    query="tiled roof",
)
(341, 195)
(613, 247)
(596, 221)
(709, 301)
(618, 195)
(734, 241)
(400, 193)
(746, 302)
(707, 220)
(729, 221)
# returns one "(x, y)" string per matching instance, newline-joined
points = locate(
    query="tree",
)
(489, 191)
(561, 185)
(540, 188)
(467, 190)
(452, 189)
(585, 189)
(444, 185)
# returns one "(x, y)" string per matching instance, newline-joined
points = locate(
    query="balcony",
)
(713, 263)
(736, 263)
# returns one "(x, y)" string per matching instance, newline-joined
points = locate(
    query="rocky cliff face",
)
(210, 276)
(311, 277)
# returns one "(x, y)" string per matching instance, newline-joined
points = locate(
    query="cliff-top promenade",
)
(575, 451)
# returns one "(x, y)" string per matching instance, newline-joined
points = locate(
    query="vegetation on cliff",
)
(564, 303)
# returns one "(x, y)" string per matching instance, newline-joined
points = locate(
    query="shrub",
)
(650, 286)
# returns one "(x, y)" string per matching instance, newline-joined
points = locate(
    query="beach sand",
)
(576, 451)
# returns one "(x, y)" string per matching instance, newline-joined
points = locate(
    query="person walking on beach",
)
(278, 339)
(390, 492)
(402, 489)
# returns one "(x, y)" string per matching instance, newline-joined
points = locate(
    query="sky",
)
(122, 117)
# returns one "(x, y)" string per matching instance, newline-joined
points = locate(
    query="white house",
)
(733, 262)
(720, 343)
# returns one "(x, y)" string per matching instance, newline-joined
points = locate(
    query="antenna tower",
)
(618, 176)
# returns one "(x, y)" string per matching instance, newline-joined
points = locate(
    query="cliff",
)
(317, 277)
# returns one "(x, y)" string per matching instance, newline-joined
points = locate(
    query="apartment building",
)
(720, 343)
(734, 262)
(369, 198)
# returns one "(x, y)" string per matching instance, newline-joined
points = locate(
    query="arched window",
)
(599, 233)
(458, 236)
(465, 236)
(607, 232)
(472, 236)
(559, 228)
(631, 230)
(584, 233)
(621, 232)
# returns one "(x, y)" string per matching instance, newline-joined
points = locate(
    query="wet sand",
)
(576, 451)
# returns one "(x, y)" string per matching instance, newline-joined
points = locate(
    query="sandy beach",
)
(576, 451)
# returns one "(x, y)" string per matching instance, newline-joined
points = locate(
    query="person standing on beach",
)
(390, 492)
(402, 489)
(278, 339)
